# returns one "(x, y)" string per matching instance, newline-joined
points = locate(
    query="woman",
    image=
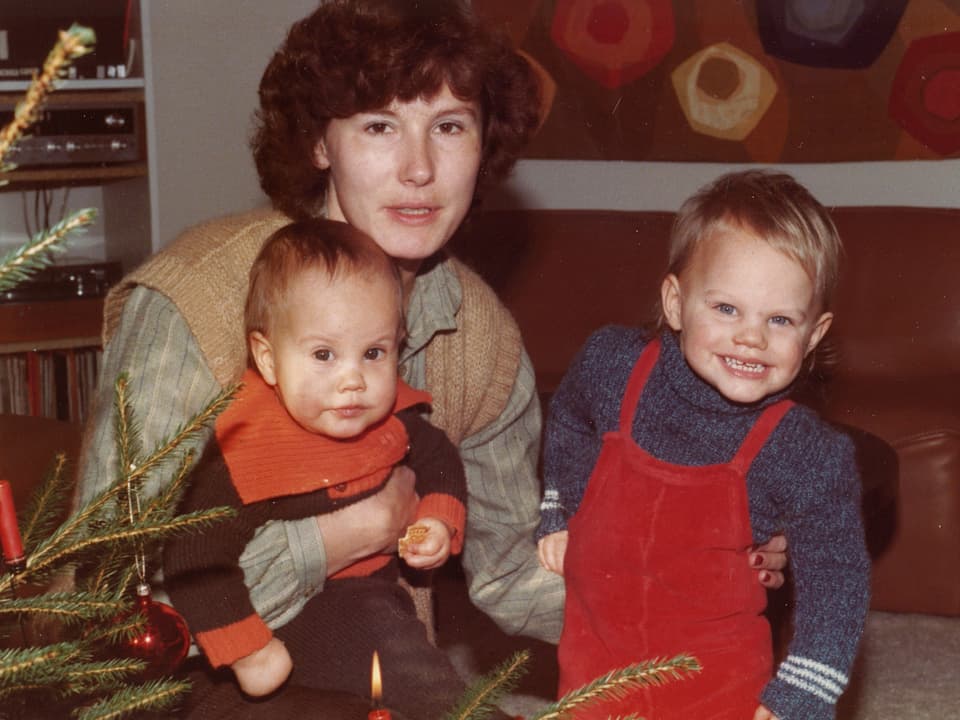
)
(393, 116)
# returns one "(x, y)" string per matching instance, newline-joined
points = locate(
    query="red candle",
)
(9, 531)
(376, 691)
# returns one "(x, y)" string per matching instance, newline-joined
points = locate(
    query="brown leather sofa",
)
(894, 377)
(890, 374)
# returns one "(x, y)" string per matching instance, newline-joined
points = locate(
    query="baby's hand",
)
(551, 550)
(432, 550)
(264, 670)
(763, 714)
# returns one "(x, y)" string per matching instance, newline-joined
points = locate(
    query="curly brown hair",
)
(353, 56)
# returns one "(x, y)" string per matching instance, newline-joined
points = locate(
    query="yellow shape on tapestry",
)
(723, 91)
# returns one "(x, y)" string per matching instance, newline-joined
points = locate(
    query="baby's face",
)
(334, 350)
(747, 314)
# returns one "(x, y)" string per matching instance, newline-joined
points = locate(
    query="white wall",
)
(205, 59)
(663, 186)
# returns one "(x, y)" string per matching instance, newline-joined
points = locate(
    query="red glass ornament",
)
(164, 639)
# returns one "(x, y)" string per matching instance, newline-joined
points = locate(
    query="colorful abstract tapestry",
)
(743, 80)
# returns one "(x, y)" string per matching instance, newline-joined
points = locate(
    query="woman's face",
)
(404, 174)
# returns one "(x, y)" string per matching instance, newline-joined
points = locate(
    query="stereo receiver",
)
(78, 134)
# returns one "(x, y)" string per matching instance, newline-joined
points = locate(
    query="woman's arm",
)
(505, 578)
(168, 382)
(372, 525)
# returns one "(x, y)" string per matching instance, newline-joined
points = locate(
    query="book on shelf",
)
(55, 384)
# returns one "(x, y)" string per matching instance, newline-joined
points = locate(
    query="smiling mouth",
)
(744, 367)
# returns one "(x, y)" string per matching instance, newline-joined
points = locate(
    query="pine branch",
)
(89, 529)
(22, 262)
(48, 556)
(139, 469)
(45, 507)
(481, 697)
(83, 678)
(71, 44)
(125, 429)
(165, 503)
(25, 667)
(70, 608)
(158, 696)
(124, 627)
(619, 683)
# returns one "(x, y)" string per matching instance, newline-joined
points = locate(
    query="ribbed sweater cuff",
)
(226, 645)
(552, 517)
(451, 511)
(804, 689)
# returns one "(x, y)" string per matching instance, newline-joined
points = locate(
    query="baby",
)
(319, 423)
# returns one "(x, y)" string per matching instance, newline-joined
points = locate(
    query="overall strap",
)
(638, 378)
(759, 433)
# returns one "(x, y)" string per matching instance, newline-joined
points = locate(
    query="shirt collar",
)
(434, 303)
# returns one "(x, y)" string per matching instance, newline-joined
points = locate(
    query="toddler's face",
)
(332, 351)
(746, 313)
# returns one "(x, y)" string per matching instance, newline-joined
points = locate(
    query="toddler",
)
(668, 457)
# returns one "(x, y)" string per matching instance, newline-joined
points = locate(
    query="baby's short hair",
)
(775, 207)
(334, 247)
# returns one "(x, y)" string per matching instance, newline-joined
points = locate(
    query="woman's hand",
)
(769, 560)
(433, 550)
(264, 670)
(551, 550)
(372, 525)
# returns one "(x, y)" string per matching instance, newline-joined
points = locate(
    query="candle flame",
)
(376, 684)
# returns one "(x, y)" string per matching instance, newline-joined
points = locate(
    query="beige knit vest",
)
(470, 372)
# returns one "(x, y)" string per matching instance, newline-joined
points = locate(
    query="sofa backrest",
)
(564, 273)
(898, 304)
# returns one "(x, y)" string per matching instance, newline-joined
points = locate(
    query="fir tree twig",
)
(135, 469)
(71, 44)
(43, 511)
(157, 695)
(70, 608)
(24, 667)
(20, 263)
(481, 697)
(83, 678)
(618, 683)
(50, 555)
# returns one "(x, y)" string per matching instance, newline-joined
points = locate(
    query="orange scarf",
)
(269, 455)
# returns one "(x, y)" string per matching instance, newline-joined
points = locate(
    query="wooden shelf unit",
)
(49, 357)
(50, 324)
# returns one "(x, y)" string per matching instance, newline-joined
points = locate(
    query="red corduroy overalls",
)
(657, 565)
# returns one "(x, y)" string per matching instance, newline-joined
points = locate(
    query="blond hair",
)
(777, 209)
